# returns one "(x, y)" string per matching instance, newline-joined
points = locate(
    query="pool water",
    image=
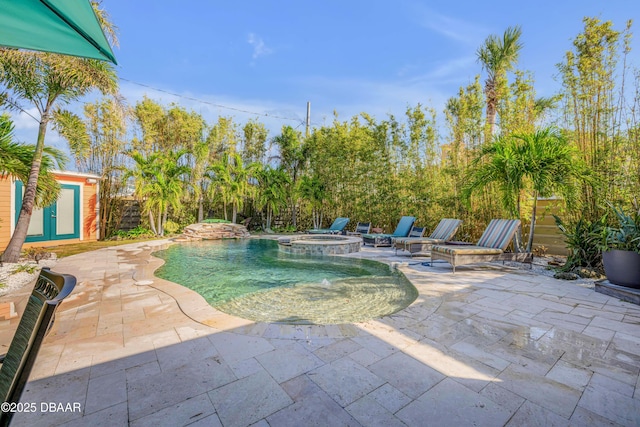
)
(254, 280)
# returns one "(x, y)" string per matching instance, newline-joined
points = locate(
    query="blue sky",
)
(374, 56)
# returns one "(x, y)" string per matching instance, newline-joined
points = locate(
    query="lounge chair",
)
(361, 228)
(49, 291)
(444, 231)
(415, 233)
(491, 246)
(402, 230)
(336, 228)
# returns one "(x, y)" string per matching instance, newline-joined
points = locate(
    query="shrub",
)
(585, 240)
(28, 268)
(286, 229)
(135, 233)
(215, 221)
(171, 227)
(626, 235)
(36, 254)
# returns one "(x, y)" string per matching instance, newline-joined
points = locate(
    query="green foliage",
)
(171, 227)
(625, 236)
(24, 268)
(231, 180)
(535, 164)
(585, 240)
(103, 153)
(36, 254)
(595, 112)
(313, 190)
(285, 229)
(71, 127)
(45, 81)
(16, 158)
(135, 233)
(497, 56)
(253, 144)
(159, 183)
(273, 185)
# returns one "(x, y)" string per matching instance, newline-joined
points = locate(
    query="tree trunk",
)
(235, 213)
(159, 227)
(152, 223)
(491, 120)
(104, 208)
(268, 225)
(14, 248)
(200, 209)
(294, 220)
(518, 236)
(165, 217)
(533, 222)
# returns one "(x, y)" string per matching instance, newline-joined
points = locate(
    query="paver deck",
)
(486, 346)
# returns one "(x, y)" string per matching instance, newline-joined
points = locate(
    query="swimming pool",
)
(252, 279)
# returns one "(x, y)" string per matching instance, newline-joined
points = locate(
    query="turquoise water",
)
(253, 279)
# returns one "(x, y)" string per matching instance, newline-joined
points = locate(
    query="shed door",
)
(59, 221)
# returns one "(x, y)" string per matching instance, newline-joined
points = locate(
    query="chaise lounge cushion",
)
(466, 250)
(444, 231)
(499, 233)
(336, 228)
(490, 247)
(402, 230)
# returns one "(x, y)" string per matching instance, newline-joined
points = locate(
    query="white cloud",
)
(452, 28)
(351, 96)
(259, 47)
(454, 70)
(28, 119)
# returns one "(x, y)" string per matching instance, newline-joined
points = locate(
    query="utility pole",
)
(308, 118)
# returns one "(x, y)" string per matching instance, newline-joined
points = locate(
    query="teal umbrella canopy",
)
(69, 27)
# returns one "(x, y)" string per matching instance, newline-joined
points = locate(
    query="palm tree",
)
(537, 164)
(272, 192)
(200, 152)
(45, 81)
(497, 56)
(552, 166)
(159, 184)
(219, 175)
(313, 190)
(497, 163)
(15, 160)
(171, 184)
(232, 178)
(143, 173)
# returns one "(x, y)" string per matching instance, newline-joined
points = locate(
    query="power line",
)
(17, 107)
(212, 103)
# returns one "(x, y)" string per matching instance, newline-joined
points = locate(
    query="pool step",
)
(284, 241)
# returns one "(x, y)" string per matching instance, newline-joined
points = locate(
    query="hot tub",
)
(312, 244)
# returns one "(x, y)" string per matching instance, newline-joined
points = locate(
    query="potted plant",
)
(621, 257)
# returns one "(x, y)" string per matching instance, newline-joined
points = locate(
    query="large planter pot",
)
(622, 267)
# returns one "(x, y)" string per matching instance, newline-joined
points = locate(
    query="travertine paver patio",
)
(488, 346)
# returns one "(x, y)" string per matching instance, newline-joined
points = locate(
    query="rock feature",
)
(214, 231)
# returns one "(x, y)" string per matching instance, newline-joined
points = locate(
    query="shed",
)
(71, 219)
